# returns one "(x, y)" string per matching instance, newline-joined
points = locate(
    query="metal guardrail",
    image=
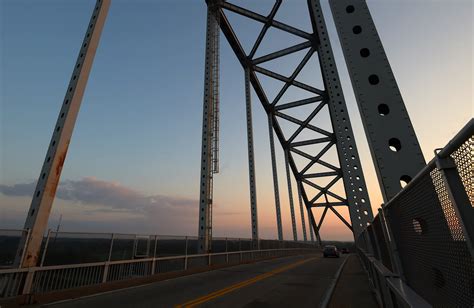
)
(61, 248)
(43, 279)
(9, 242)
(418, 250)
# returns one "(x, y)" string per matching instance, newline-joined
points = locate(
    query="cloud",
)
(18, 190)
(108, 206)
(111, 195)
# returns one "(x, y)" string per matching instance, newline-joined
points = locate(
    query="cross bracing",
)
(308, 146)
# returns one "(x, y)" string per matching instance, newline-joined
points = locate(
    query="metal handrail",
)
(131, 261)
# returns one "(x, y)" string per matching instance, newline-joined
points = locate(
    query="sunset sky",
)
(133, 164)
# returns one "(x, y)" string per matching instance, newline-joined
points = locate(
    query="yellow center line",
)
(242, 284)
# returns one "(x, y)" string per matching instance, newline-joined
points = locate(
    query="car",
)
(345, 250)
(330, 251)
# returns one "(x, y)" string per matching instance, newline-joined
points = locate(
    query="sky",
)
(133, 163)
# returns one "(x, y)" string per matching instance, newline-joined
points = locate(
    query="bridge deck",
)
(297, 281)
(353, 288)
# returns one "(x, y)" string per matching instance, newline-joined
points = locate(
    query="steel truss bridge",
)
(417, 250)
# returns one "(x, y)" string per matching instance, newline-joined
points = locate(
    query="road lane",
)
(292, 281)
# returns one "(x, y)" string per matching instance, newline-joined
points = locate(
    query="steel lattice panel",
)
(433, 252)
(464, 160)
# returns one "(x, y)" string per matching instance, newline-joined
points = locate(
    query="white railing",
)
(61, 248)
(43, 279)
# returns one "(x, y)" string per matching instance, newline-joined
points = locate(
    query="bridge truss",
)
(418, 250)
(307, 147)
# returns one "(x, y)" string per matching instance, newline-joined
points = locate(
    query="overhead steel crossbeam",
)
(354, 195)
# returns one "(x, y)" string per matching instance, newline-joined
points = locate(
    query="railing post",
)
(106, 271)
(186, 255)
(45, 247)
(156, 245)
(240, 249)
(111, 247)
(377, 252)
(393, 251)
(153, 265)
(227, 252)
(370, 248)
(458, 197)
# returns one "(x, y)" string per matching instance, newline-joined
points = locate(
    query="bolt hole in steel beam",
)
(394, 144)
(404, 180)
(374, 79)
(350, 9)
(364, 52)
(357, 29)
(383, 109)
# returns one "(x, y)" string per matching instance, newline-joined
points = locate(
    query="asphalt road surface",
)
(297, 281)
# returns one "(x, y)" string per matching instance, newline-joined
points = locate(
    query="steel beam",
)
(314, 42)
(265, 28)
(392, 140)
(290, 197)
(206, 185)
(299, 103)
(321, 219)
(252, 180)
(281, 53)
(288, 80)
(257, 17)
(303, 223)
(354, 183)
(40, 208)
(275, 178)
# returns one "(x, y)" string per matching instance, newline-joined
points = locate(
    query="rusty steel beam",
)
(211, 80)
(40, 208)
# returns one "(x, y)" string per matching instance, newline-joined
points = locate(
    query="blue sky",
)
(139, 128)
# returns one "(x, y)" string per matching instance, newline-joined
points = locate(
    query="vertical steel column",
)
(392, 140)
(252, 180)
(355, 187)
(43, 197)
(313, 226)
(275, 177)
(206, 185)
(290, 196)
(311, 232)
(303, 223)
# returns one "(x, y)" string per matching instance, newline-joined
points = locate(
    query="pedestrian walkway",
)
(353, 287)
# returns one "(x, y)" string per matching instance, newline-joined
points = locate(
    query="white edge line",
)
(327, 296)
